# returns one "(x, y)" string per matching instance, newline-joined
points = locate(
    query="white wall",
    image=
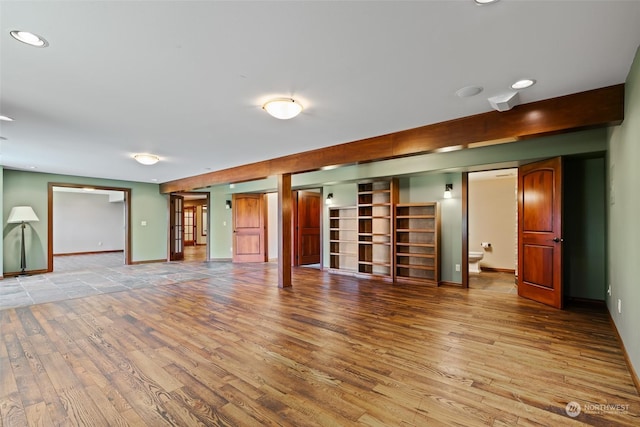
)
(272, 226)
(84, 222)
(493, 219)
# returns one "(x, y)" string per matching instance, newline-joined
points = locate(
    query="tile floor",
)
(493, 281)
(84, 275)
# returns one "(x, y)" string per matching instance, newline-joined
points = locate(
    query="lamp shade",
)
(22, 214)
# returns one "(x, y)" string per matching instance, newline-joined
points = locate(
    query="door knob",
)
(557, 239)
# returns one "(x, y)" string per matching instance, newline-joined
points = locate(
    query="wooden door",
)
(540, 232)
(249, 228)
(189, 226)
(176, 228)
(307, 228)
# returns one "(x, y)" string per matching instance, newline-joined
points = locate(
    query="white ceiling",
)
(186, 80)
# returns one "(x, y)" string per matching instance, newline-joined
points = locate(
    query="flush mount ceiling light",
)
(283, 108)
(6, 119)
(29, 38)
(523, 84)
(483, 2)
(146, 159)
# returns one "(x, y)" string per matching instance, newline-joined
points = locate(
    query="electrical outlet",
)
(619, 306)
(457, 267)
(224, 223)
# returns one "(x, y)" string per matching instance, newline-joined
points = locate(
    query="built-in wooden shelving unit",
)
(343, 239)
(376, 201)
(417, 227)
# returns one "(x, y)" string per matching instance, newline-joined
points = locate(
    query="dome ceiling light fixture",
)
(146, 159)
(283, 108)
(523, 84)
(29, 38)
(483, 2)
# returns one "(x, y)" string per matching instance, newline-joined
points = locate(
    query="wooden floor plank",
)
(332, 350)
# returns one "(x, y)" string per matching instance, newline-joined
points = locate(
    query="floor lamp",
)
(22, 215)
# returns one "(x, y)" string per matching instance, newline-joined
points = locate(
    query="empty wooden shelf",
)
(343, 239)
(417, 243)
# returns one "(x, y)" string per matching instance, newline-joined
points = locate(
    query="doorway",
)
(189, 226)
(493, 230)
(307, 211)
(86, 222)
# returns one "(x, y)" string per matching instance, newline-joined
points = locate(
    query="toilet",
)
(474, 261)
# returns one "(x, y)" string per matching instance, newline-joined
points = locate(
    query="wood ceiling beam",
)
(585, 110)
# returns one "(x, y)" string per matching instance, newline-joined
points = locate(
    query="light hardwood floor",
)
(332, 350)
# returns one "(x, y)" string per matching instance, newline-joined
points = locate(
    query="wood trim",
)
(447, 283)
(89, 253)
(127, 216)
(465, 229)
(148, 261)
(595, 108)
(627, 359)
(499, 270)
(285, 207)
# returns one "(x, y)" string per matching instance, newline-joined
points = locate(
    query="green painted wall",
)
(584, 228)
(28, 188)
(624, 225)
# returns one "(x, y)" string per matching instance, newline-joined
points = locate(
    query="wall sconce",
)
(329, 199)
(227, 204)
(22, 215)
(447, 190)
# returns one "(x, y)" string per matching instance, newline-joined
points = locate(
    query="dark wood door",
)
(540, 232)
(249, 228)
(176, 228)
(307, 228)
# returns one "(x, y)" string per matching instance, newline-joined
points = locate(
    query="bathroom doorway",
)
(493, 230)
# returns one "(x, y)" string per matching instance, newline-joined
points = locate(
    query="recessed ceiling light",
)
(6, 119)
(468, 91)
(283, 108)
(523, 84)
(146, 159)
(483, 2)
(29, 38)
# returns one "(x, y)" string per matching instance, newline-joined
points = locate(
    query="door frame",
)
(207, 197)
(127, 218)
(465, 218)
(264, 225)
(295, 235)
